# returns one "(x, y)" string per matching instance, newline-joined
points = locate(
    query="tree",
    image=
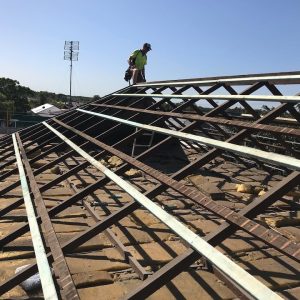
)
(12, 91)
(3, 105)
(43, 97)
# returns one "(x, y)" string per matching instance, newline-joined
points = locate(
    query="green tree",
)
(43, 96)
(12, 91)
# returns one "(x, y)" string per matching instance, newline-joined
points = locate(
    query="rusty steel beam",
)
(71, 245)
(233, 271)
(212, 154)
(136, 266)
(23, 229)
(267, 235)
(268, 128)
(272, 158)
(54, 148)
(53, 211)
(216, 120)
(41, 137)
(173, 268)
(47, 283)
(214, 112)
(127, 256)
(169, 271)
(60, 267)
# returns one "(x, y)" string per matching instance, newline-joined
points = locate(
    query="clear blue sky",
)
(190, 38)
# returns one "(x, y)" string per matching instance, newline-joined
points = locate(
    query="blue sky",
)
(190, 38)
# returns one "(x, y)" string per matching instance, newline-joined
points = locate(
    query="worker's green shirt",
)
(140, 59)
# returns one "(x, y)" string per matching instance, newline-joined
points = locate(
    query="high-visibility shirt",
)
(140, 59)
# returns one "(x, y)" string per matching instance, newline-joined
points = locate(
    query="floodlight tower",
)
(71, 54)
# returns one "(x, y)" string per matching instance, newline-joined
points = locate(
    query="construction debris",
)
(282, 219)
(134, 173)
(114, 161)
(207, 187)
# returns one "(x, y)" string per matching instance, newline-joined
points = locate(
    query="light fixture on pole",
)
(71, 54)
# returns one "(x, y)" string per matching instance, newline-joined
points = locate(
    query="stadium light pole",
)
(71, 53)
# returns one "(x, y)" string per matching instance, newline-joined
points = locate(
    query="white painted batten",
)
(45, 273)
(270, 157)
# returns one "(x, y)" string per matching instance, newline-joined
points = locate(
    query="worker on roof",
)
(137, 62)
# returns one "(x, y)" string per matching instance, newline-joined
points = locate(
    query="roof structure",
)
(173, 189)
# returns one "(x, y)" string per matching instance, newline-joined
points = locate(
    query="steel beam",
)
(48, 286)
(214, 120)
(280, 78)
(60, 267)
(273, 158)
(263, 98)
(233, 271)
(173, 268)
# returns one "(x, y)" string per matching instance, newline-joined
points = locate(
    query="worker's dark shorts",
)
(140, 77)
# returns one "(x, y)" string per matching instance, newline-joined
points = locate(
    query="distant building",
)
(13, 122)
(47, 110)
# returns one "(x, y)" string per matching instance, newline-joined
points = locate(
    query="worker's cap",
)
(147, 46)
